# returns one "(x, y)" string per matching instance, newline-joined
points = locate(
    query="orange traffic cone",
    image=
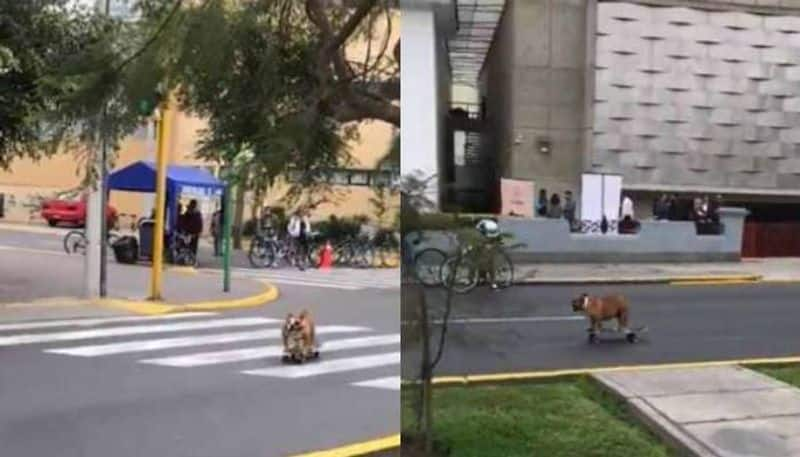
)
(326, 259)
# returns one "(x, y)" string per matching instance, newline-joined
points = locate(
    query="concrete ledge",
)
(674, 280)
(671, 433)
(146, 307)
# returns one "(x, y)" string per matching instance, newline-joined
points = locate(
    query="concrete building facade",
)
(676, 96)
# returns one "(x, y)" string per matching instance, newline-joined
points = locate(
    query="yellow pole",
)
(161, 191)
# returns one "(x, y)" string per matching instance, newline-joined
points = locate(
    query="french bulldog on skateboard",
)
(602, 309)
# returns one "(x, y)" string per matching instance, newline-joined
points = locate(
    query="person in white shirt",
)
(627, 208)
(299, 229)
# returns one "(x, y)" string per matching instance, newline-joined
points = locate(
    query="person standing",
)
(673, 208)
(541, 204)
(216, 231)
(555, 211)
(569, 209)
(299, 229)
(267, 222)
(194, 224)
(627, 208)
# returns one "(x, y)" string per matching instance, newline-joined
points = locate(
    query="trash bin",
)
(126, 250)
(146, 228)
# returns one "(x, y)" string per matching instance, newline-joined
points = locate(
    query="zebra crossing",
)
(153, 340)
(336, 278)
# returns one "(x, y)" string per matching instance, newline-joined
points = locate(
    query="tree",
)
(38, 38)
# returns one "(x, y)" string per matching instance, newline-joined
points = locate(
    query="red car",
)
(72, 212)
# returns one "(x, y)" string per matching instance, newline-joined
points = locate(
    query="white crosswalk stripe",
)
(328, 366)
(89, 322)
(239, 355)
(137, 335)
(169, 343)
(339, 278)
(123, 331)
(389, 383)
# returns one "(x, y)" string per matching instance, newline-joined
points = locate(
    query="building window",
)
(359, 178)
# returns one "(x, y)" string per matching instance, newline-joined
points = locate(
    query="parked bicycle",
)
(488, 263)
(272, 251)
(425, 264)
(75, 241)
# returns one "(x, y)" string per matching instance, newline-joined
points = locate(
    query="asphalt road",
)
(533, 327)
(206, 385)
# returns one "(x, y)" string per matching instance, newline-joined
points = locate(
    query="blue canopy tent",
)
(141, 177)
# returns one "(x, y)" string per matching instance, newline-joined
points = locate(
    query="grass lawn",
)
(568, 418)
(789, 373)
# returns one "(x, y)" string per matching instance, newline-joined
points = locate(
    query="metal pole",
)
(226, 240)
(161, 190)
(104, 199)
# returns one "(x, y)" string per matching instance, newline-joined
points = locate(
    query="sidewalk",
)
(773, 269)
(714, 412)
(55, 280)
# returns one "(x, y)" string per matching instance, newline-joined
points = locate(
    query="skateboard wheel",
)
(592, 338)
(631, 337)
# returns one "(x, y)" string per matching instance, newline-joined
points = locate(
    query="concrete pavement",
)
(201, 384)
(715, 411)
(772, 269)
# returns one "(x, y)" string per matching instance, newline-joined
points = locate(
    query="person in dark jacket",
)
(193, 224)
(541, 204)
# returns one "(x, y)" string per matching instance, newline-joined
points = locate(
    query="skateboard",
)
(299, 358)
(631, 336)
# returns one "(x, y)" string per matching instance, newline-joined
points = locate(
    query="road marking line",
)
(721, 282)
(139, 330)
(357, 449)
(240, 355)
(186, 341)
(328, 366)
(495, 320)
(91, 321)
(390, 383)
(34, 251)
(544, 374)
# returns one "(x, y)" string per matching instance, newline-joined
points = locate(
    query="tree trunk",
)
(425, 418)
(238, 212)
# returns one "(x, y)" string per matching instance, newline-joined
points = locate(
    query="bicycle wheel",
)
(343, 254)
(428, 266)
(315, 254)
(388, 257)
(503, 269)
(461, 280)
(75, 242)
(259, 254)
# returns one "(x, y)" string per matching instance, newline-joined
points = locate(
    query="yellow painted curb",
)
(536, 375)
(352, 450)
(715, 280)
(183, 270)
(270, 294)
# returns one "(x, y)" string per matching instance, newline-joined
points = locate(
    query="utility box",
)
(146, 228)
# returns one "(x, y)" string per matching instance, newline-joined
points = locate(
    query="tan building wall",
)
(27, 179)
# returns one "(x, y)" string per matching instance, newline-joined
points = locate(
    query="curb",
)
(500, 378)
(146, 307)
(358, 449)
(671, 280)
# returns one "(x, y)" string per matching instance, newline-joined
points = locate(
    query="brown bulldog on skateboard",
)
(601, 309)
